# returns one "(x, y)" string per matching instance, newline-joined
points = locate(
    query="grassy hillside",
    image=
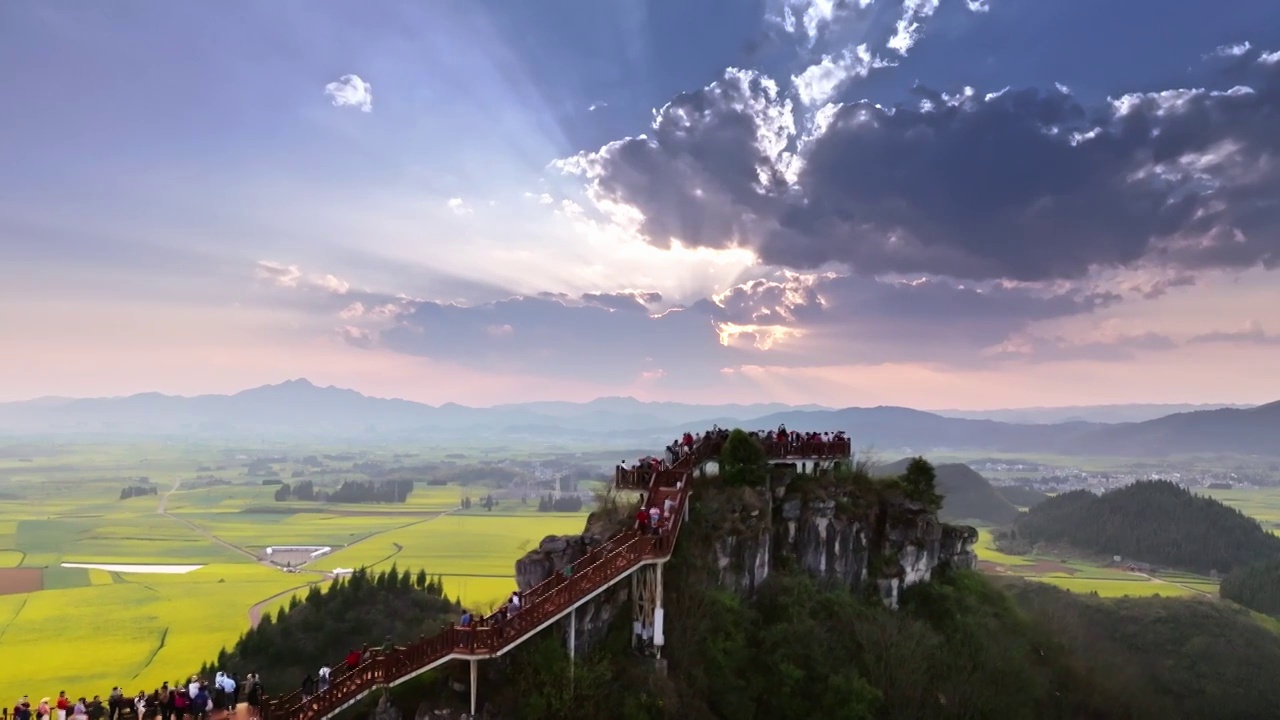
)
(966, 495)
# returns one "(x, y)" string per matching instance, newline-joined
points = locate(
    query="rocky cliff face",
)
(891, 543)
(885, 544)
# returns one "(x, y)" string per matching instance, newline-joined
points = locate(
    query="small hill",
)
(966, 495)
(1151, 521)
(1023, 497)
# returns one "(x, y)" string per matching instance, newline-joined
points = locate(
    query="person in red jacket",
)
(353, 659)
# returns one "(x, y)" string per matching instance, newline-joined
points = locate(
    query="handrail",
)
(542, 603)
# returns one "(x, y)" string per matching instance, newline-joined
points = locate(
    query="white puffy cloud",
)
(351, 91)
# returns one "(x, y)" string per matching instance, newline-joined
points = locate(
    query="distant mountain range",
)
(299, 408)
(1085, 413)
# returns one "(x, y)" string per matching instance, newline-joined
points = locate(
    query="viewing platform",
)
(813, 453)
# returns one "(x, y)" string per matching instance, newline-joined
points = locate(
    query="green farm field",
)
(1260, 503)
(1083, 576)
(137, 626)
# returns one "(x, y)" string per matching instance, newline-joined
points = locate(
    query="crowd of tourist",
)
(195, 698)
(778, 443)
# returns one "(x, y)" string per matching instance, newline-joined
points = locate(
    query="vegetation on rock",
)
(969, 497)
(743, 461)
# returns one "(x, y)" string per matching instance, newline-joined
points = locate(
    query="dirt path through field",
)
(160, 508)
(255, 612)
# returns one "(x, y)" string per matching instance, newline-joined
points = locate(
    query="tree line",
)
(350, 491)
(137, 491)
(567, 503)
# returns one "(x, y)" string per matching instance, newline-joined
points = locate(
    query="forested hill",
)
(1155, 522)
(361, 609)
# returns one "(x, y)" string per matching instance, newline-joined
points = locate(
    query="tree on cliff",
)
(743, 460)
(921, 482)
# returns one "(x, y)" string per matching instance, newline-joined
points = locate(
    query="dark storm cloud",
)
(1023, 184)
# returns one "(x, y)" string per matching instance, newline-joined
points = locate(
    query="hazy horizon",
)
(740, 401)
(986, 205)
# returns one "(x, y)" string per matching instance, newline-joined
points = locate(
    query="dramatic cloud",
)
(1020, 185)
(784, 319)
(351, 91)
(820, 82)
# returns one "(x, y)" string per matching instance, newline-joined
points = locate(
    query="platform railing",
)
(638, 478)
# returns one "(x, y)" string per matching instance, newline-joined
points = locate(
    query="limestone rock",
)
(550, 557)
(893, 545)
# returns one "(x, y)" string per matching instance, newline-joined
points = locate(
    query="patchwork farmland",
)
(166, 578)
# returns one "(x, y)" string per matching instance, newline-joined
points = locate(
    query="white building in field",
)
(294, 555)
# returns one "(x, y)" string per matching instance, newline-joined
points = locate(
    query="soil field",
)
(21, 580)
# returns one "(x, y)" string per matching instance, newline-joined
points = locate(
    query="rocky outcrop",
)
(552, 555)
(892, 544)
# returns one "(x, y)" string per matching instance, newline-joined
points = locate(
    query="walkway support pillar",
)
(573, 644)
(659, 614)
(475, 677)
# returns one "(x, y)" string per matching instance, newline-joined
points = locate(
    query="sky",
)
(932, 203)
